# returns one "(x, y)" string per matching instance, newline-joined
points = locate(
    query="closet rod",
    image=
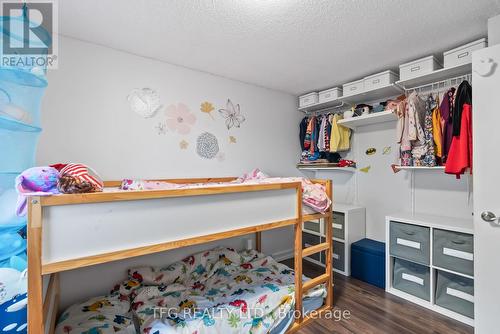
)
(442, 84)
(324, 110)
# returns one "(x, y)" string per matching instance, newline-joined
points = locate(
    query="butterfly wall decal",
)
(232, 115)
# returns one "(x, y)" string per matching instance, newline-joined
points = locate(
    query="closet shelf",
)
(381, 93)
(343, 169)
(441, 168)
(379, 117)
(337, 103)
(438, 75)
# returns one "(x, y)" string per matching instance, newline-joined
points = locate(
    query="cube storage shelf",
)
(348, 226)
(429, 261)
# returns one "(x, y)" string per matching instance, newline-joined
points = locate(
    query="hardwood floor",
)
(373, 311)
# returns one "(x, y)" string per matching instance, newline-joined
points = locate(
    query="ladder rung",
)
(315, 249)
(315, 281)
(315, 216)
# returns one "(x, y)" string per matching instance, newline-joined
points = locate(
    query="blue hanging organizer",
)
(21, 91)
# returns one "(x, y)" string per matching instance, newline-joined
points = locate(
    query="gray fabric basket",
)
(412, 278)
(455, 293)
(410, 242)
(339, 219)
(454, 251)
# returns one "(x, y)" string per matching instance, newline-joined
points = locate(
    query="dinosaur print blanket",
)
(216, 291)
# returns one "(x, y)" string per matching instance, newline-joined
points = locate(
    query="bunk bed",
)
(67, 232)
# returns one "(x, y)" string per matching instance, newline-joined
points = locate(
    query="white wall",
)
(86, 118)
(494, 30)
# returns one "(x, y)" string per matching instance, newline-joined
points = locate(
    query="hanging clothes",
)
(340, 138)
(402, 138)
(446, 110)
(463, 96)
(437, 132)
(416, 135)
(322, 133)
(460, 154)
(302, 132)
(429, 158)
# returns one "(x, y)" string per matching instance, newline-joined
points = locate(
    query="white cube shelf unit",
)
(348, 226)
(429, 261)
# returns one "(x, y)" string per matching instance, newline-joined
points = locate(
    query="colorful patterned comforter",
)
(217, 291)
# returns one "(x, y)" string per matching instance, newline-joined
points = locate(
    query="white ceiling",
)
(289, 45)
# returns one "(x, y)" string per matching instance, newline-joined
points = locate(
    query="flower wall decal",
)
(179, 118)
(207, 108)
(183, 144)
(207, 145)
(161, 128)
(232, 139)
(232, 114)
(145, 102)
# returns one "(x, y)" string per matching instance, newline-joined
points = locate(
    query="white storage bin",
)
(308, 99)
(418, 67)
(379, 80)
(330, 94)
(354, 87)
(463, 54)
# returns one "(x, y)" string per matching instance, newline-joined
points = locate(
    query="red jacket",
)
(460, 154)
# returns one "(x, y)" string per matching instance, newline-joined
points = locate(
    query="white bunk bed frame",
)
(72, 231)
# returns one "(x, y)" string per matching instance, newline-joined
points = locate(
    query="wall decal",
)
(207, 145)
(207, 108)
(371, 151)
(145, 102)
(387, 150)
(221, 156)
(365, 169)
(183, 144)
(232, 139)
(179, 118)
(232, 114)
(161, 128)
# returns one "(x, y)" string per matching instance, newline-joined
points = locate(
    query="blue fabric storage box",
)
(368, 261)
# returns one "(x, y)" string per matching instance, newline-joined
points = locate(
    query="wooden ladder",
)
(300, 253)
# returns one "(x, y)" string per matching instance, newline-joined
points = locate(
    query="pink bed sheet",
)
(313, 194)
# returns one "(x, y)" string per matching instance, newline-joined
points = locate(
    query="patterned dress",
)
(429, 159)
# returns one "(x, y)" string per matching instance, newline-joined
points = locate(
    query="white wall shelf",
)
(379, 117)
(337, 103)
(341, 169)
(381, 93)
(435, 168)
(438, 75)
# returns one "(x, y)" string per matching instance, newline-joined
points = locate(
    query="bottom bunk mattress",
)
(217, 291)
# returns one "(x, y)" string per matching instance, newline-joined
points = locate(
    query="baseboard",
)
(283, 255)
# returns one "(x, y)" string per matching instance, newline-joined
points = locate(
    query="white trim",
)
(283, 255)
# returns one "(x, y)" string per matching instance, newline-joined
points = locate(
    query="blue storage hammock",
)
(9, 222)
(11, 244)
(17, 145)
(20, 96)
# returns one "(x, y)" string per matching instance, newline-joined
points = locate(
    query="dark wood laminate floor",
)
(373, 311)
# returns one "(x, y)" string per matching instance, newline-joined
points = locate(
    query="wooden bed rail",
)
(42, 311)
